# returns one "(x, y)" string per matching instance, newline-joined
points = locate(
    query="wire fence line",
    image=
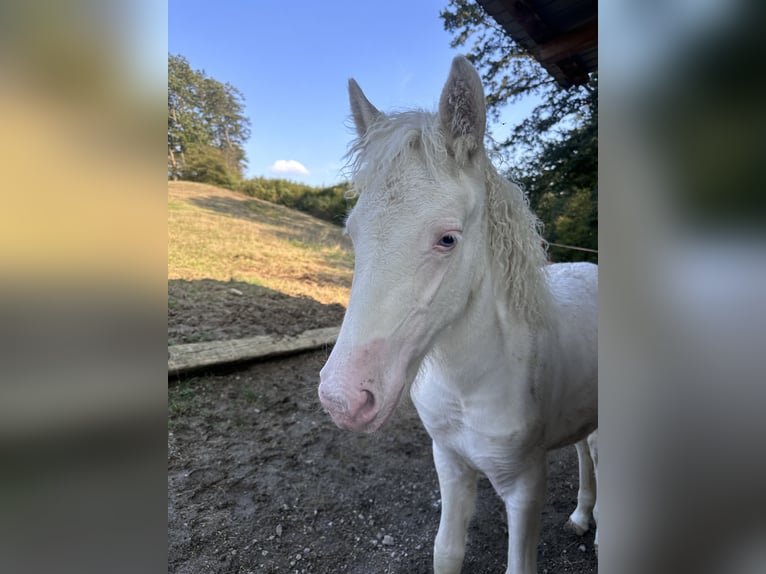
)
(573, 247)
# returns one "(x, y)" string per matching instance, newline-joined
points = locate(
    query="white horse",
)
(452, 298)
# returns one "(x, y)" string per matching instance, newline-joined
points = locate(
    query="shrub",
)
(207, 164)
(328, 203)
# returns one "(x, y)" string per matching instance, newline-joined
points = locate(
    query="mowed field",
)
(214, 233)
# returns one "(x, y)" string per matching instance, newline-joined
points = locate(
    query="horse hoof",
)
(576, 528)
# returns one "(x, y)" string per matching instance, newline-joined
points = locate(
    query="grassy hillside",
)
(219, 234)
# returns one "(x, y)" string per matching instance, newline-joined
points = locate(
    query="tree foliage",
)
(207, 129)
(207, 164)
(554, 150)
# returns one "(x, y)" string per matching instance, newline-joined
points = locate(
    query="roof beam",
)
(569, 44)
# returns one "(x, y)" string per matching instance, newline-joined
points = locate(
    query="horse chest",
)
(484, 430)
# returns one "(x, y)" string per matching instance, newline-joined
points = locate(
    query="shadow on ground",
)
(211, 310)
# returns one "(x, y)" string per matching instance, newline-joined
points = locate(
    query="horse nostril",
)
(366, 409)
(369, 401)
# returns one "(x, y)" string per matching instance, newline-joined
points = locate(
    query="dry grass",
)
(219, 234)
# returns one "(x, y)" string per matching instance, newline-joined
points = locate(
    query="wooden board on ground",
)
(192, 356)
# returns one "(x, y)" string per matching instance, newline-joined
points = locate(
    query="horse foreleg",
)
(457, 483)
(579, 520)
(524, 497)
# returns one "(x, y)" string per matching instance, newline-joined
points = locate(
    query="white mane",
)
(518, 250)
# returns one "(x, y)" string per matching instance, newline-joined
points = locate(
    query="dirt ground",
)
(261, 480)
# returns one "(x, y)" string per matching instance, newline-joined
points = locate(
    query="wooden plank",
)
(192, 356)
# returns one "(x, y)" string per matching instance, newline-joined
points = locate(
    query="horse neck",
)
(484, 335)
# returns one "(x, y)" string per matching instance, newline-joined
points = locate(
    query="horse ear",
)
(363, 111)
(462, 109)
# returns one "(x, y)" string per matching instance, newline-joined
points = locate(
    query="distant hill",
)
(220, 234)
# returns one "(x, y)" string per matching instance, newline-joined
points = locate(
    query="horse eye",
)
(447, 241)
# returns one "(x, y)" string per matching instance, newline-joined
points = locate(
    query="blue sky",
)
(292, 61)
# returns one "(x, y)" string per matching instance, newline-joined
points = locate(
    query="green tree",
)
(205, 118)
(554, 151)
(225, 121)
(186, 130)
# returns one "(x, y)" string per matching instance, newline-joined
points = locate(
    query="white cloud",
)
(289, 166)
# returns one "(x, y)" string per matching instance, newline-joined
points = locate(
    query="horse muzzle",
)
(354, 411)
(357, 391)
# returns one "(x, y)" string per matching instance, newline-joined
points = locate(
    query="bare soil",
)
(261, 480)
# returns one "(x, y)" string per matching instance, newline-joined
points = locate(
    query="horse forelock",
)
(378, 158)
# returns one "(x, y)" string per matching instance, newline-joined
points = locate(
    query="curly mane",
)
(518, 249)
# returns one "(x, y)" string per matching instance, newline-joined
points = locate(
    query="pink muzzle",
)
(352, 388)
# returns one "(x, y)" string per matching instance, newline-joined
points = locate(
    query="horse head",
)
(419, 232)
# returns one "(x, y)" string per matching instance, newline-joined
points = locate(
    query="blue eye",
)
(447, 241)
